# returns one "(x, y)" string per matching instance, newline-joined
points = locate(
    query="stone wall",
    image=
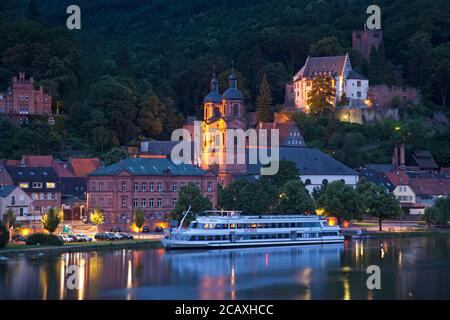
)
(385, 96)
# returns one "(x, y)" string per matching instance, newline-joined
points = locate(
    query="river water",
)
(411, 268)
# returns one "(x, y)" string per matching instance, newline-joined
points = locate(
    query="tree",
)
(439, 213)
(293, 198)
(264, 102)
(4, 235)
(33, 10)
(328, 46)
(378, 202)
(321, 97)
(287, 171)
(139, 219)
(115, 155)
(340, 200)
(190, 195)
(440, 71)
(249, 197)
(97, 218)
(52, 219)
(11, 218)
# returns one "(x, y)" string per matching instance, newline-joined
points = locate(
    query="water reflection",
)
(415, 268)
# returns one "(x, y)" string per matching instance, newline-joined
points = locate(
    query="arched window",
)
(235, 109)
(325, 182)
(216, 112)
(307, 182)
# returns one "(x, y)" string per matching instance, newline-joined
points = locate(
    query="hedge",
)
(43, 239)
(4, 235)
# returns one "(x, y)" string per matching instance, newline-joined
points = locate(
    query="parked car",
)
(127, 236)
(99, 236)
(116, 229)
(83, 238)
(73, 237)
(159, 229)
(66, 238)
(118, 236)
(18, 238)
(146, 229)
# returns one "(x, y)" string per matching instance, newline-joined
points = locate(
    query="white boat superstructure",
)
(224, 229)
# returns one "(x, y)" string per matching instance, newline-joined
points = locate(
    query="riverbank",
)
(16, 249)
(404, 234)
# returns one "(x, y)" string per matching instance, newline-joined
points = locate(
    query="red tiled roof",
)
(61, 170)
(397, 177)
(440, 187)
(284, 128)
(37, 161)
(82, 167)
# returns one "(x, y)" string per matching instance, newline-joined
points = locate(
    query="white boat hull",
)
(181, 244)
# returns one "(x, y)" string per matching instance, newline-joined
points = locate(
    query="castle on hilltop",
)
(347, 83)
(21, 99)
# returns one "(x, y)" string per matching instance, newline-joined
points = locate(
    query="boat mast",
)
(182, 220)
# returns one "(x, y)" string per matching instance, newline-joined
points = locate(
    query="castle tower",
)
(222, 113)
(364, 40)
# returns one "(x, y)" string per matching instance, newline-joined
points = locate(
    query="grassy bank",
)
(14, 249)
(413, 233)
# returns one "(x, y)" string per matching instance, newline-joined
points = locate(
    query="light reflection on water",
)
(412, 268)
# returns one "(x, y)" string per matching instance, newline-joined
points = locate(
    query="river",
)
(411, 268)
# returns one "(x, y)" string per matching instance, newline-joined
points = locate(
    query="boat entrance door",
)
(293, 235)
(233, 237)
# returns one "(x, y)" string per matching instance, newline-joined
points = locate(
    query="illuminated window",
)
(50, 185)
(24, 185)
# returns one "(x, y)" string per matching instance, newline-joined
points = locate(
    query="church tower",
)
(222, 113)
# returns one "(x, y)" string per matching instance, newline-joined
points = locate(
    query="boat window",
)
(240, 226)
(218, 226)
(260, 236)
(279, 225)
(201, 238)
(226, 237)
(232, 226)
(225, 226)
(253, 236)
(292, 225)
(218, 238)
(299, 235)
(209, 238)
(260, 225)
(253, 225)
(193, 225)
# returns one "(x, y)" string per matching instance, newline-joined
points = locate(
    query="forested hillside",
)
(138, 67)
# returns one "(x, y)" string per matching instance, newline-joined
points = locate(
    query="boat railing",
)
(271, 217)
(223, 213)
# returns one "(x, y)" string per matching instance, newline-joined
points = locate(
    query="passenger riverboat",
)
(224, 229)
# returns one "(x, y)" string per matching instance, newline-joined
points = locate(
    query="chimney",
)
(402, 156)
(395, 157)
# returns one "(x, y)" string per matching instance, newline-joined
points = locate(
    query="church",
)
(222, 111)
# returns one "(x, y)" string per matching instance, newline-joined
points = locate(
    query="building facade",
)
(222, 112)
(151, 184)
(22, 99)
(347, 83)
(15, 199)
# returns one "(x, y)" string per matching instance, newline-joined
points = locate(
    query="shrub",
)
(44, 239)
(4, 236)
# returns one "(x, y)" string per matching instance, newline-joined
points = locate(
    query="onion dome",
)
(214, 95)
